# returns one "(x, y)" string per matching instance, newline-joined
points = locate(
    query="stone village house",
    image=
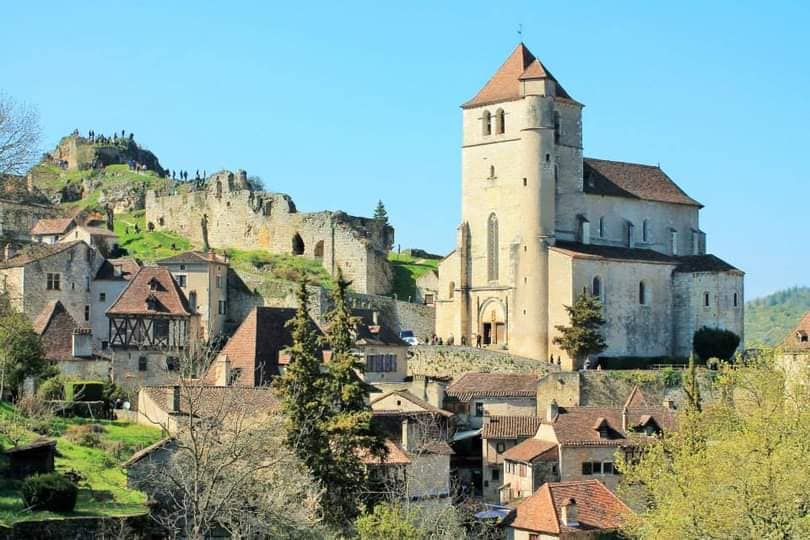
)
(542, 224)
(69, 345)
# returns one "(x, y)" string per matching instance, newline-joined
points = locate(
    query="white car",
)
(408, 337)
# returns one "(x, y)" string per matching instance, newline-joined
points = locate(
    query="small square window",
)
(500, 447)
(86, 313)
(607, 468)
(102, 297)
(496, 474)
(105, 345)
(479, 409)
(182, 280)
(142, 363)
(587, 468)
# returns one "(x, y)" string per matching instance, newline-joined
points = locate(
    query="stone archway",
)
(492, 322)
(319, 250)
(297, 245)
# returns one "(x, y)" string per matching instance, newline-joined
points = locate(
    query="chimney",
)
(82, 343)
(568, 513)
(669, 403)
(174, 400)
(624, 419)
(375, 316)
(223, 370)
(9, 251)
(552, 411)
(405, 435)
(117, 270)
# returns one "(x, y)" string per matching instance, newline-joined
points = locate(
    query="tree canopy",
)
(380, 213)
(583, 336)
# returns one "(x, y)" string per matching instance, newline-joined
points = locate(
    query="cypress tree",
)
(584, 336)
(380, 213)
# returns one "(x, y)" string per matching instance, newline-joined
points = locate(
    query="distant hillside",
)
(769, 319)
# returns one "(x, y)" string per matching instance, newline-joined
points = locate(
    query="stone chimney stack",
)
(552, 411)
(406, 439)
(375, 316)
(9, 251)
(174, 400)
(223, 370)
(568, 513)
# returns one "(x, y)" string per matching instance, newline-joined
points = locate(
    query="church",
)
(541, 224)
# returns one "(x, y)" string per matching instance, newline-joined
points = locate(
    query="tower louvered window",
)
(492, 248)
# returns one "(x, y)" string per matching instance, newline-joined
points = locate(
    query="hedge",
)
(50, 491)
(84, 391)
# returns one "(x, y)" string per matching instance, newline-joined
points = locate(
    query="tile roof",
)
(394, 456)
(632, 181)
(405, 394)
(256, 345)
(597, 508)
(208, 401)
(99, 231)
(129, 267)
(579, 426)
(505, 85)
(194, 257)
(682, 264)
(793, 341)
(37, 252)
(493, 385)
(510, 427)
(637, 398)
(56, 326)
(151, 282)
(531, 449)
(57, 226)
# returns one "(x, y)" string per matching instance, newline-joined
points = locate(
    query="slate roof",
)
(56, 326)
(505, 85)
(793, 341)
(256, 345)
(169, 298)
(532, 449)
(597, 508)
(194, 257)
(510, 427)
(632, 181)
(493, 385)
(129, 267)
(37, 252)
(56, 226)
(682, 263)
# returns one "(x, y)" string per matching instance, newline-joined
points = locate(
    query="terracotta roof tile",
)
(799, 338)
(207, 401)
(128, 266)
(504, 85)
(395, 455)
(579, 426)
(52, 226)
(510, 427)
(597, 508)
(493, 385)
(633, 181)
(532, 449)
(156, 283)
(404, 394)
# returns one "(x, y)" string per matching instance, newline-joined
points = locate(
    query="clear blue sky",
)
(340, 104)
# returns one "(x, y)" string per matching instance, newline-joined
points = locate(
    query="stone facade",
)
(240, 218)
(17, 218)
(541, 224)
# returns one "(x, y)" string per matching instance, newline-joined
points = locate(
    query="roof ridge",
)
(586, 158)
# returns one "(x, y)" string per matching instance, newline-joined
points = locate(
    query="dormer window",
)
(801, 336)
(154, 284)
(152, 303)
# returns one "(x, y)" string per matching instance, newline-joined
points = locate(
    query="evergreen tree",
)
(583, 337)
(301, 390)
(349, 425)
(380, 213)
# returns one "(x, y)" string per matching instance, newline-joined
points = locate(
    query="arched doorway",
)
(297, 245)
(492, 322)
(319, 249)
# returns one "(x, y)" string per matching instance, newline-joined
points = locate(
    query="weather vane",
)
(520, 31)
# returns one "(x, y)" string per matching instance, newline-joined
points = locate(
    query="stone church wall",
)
(240, 218)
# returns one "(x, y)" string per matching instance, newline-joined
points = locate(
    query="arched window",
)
(491, 171)
(319, 250)
(645, 231)
(297, 245)
(736, 300)
(596, 287)
(487, 123)
(556, 128)
(706, 299)
(451, 289)
(673, 241)
(500, 121)
(492, 247)
(643, 295)
(601, 227)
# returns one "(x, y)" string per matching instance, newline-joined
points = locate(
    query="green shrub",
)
(85, 435)
(84, 391)
(715, 343)
(53, 388)
(52, 492)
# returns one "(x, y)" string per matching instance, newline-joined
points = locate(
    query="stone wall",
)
(16, 218)
(240, 218)
(452, 361)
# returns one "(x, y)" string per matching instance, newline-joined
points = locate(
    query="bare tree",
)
(227, 468)
(19, 136)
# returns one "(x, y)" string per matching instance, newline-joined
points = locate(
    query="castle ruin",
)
(239, 217)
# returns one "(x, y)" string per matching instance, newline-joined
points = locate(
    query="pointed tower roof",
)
(505, 84)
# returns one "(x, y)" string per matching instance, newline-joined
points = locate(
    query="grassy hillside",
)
(145, 245)
(407, 269)
(279, 266)
(769, 319)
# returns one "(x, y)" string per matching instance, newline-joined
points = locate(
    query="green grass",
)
(104, 491)
(279, 266)
(407, 269)
(145, 245)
